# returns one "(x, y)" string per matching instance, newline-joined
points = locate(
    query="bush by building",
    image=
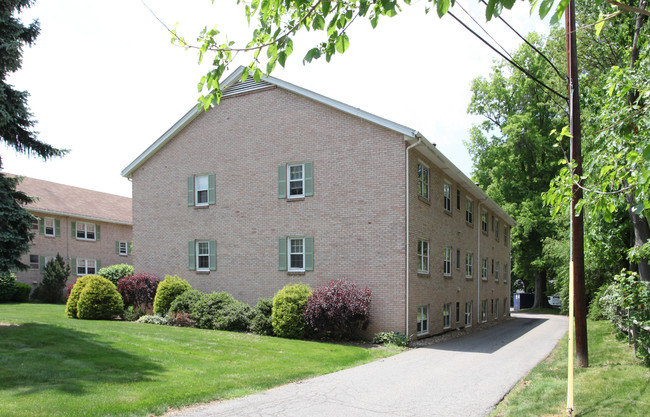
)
(170, 288)
(261, 322)
(288, 308)
(7, 286)
(138, 290)
(113, 273)
(99, 300)
(55, 275)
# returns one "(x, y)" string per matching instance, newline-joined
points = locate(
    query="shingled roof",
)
(66, 200)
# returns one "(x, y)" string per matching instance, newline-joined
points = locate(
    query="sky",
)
(105, 81)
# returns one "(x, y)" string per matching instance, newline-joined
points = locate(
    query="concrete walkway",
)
(466, 377)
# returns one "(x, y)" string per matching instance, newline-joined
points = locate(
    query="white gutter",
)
(79, 216)
(406, 327)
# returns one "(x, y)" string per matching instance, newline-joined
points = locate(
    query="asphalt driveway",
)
(465, 377)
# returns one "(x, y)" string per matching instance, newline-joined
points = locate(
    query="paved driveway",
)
(465, 377)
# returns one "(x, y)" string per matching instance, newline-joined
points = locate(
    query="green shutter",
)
(212, 185)
(213, 255)
(98, 265)
(309, 254)
(309, 179)
(117, 247)
(190, 191)
(282, 254)
(282, 181)
(42, 264)
(41, 226)
(97, 232)
(73, 227)
(129, 248)
(73, 263)
(57, 227)
(191, 258)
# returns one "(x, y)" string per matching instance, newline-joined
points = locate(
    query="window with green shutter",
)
(202, 255)
(296, 181)
(296, 254)
(201, 190)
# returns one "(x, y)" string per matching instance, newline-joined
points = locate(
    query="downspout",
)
(406, 176)
(479, 261)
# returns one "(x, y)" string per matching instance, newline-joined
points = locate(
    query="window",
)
(483, 311)
(492, 267)
(505, 272)
(423, 320)
(35, 222)
(458, 199)
(447, 197)
(493, 223)
(423, 181)
(44, 261)
(202, 255)
(484, 263)
(122, 248)
(496, 272)
(447, 262)
(296, 254)
(86, 231)
(423, 256)
(492, 306)
(296, 181)
(457, 258)
(468, 313)
(469, 210)
(496, 309)
(446, 316)
(49, 227)
(496, 229)
(457, 311)
(201, 190)
(505, 235)
(484, 221)
(469, 261)
(34, 262)
(86, 266)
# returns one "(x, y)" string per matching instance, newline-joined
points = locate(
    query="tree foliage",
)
(56, 273)
(15, 224)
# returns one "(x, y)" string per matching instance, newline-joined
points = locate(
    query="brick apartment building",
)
(279, 185)
(89, 229)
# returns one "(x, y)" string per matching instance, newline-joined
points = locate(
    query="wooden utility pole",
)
(577, 225)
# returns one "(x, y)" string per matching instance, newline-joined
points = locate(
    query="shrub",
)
(138, 290)
(288, 307)
(155, 319)
(170, 288)
(132, 314)
(220, 311)
(261, 322)
(390, 338)
(73, 299)
(338, 309)
(7, 286)
(56, 273)
(68, 289)
(113, 273)
(22, 293)
(181, 319)
(185, 302)
(99, 300)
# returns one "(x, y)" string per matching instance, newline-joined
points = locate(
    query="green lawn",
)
(615, 384)
(52, 365)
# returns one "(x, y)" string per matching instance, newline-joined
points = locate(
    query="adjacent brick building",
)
(89, 229)
(279, 185)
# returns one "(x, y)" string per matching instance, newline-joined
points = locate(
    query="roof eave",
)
(78, 216)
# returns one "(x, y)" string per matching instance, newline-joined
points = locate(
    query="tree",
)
(56, 273)
(16, 131)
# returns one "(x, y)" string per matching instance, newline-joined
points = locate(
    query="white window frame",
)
(32, 263)
(496, 271)
(52, 225)
(291, 252)
(123, 248)
(423, 256)
(201, 188)
(446, 316)
(468, 314)
(205, 255)
(84, 229)
(484, 269)
(484, 221)
(86, 262)
(483, 310)
(446, 191)
(469, 263)
(297, 180)
(423, 180)
(505, 272)
(447, 262)
(422, 320)
(469, 210)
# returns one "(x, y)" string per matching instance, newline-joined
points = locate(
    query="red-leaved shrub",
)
(138, 290)
(338, 309)
(68, 289)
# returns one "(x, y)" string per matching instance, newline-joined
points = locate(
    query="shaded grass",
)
(52, 365)
(615, 384)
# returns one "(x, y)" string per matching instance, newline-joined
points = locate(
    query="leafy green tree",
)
(16, 132)
(56, 273)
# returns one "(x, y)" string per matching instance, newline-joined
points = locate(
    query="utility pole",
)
(577, 225)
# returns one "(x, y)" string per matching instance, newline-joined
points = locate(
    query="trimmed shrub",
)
(132, 314)
(219, 311)
(155, 319)
(338, 309)
(138, 290)
(22, 292)
(56, 273)
(7, 286)
(181, 319)
(75, 293)
(184, 302)
(261, 322)
(170, 288)
(68, 289)
(390, 338)
(99, 300)
(288, 307)
(113, 273)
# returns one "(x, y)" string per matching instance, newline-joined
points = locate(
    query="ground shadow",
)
(40, 357)
(493, 338)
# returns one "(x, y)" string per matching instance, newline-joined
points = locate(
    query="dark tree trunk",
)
(540, 290)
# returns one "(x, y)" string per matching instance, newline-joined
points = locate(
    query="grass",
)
(51, 365)
(614, 384)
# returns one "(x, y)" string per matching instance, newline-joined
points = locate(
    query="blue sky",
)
(105, 81)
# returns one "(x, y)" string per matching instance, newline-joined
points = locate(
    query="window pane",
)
(202, 196)
(295, 172)
(204, 262)
(204, 248)
(202, 182)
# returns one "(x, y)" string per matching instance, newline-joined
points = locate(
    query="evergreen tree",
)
(50, 290)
